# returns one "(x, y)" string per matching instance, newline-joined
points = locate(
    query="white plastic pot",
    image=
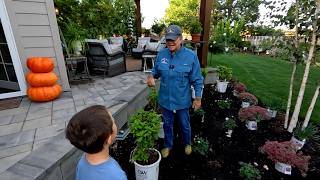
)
(283, 168)
(252, 125)
(235, 93)
(245, 104)
(222, 86)
(229, 133)
(297, 144)
(273, 113)
(147, 172)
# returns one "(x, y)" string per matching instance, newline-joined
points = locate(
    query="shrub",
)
(249, 172)
(284, 152)
(200, 146)
(255, 113)
(153, 98)
(305, 133)
(247, 97)
(199, 112)
(225, 73)
(230, 124)
(224, 104)
(145, 127)
(204, 72)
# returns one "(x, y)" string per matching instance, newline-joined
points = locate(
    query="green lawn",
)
(269, 78)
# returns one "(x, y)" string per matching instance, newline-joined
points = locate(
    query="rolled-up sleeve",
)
(196, 77)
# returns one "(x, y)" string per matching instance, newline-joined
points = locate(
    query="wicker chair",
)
(99, 60)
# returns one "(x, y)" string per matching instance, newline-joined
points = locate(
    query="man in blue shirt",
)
(178, 68)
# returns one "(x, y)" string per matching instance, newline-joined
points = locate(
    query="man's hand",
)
(196, 103)
(150, 81)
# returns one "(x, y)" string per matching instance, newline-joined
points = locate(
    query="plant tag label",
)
(245, 104)
(252, 125)
(283, 168)
(297, 143)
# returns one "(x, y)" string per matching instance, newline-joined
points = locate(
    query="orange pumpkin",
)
(40, 64)
(41, 79)
(42, 94)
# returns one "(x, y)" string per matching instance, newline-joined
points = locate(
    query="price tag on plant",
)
(284, 168)
(252, 125)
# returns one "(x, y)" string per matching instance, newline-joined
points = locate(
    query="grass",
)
(268, 78)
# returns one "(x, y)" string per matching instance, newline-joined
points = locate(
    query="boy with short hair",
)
(93, 130)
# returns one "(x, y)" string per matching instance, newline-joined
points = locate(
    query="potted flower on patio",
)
(300, 135)
(145, 126)
(225, 75)
(284, 156)
(247, 99)
(252, 115)
(229, 124)
(195, 29)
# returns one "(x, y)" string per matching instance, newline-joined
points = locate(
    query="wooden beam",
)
(205, 16)
(138, 18)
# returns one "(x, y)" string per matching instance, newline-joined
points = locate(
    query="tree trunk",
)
(296, 45)
(313, 102)
(295, 116)
(290, 95)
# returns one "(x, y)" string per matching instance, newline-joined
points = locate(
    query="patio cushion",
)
(152, 46)
(110, 48)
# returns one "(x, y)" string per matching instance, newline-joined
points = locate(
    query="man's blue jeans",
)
(184, 123)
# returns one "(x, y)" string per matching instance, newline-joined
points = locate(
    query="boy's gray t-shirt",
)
(109, 170)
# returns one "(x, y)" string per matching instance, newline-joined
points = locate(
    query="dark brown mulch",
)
(222, 161)
(10, 103)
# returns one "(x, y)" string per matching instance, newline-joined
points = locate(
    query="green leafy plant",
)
(153, 98)
(145, 127)
(74, 35)
(204, 72)
(199, 112)
(224, 103)
(195, 26)
(249, 172)
(225, 73)
(230, 124)
(200, 146)
(306, 133)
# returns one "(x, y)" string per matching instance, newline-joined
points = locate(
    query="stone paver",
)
(31, 125)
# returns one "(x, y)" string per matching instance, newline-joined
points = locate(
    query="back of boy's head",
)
(89, 129)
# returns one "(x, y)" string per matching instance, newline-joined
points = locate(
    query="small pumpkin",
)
(41, 79)
(42, 94)
(40, 64)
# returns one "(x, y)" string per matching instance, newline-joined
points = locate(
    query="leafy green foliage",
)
(230, 124)
(200, 146)
(224, 73)
(145, 127)
(249, 172)
(153, 98)
(224, 103)
(157, 27)
(306, 133)
(204, 72)
(199, 112)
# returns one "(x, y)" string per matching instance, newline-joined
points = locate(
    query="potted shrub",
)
(144, 126)
(229, 124)
(249, 172)
(247, 99)
(195, 28)
(252, 115)
(284, 156)
(199, 113)
(225, 75)
(200, 146)
(75, 36)
(239, 88)
(300, 135)
(273, 106)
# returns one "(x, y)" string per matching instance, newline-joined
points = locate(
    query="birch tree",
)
(312, 104)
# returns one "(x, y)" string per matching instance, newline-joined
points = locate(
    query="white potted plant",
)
(252, 115)
(300, 135)
(225, 75)
(144, 126)
(285, 157)
(229, 124)
(274, 106)
(247, 99)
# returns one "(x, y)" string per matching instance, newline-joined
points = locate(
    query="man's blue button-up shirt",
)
(177, 73)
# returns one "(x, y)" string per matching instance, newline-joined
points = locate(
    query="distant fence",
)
(256, 40)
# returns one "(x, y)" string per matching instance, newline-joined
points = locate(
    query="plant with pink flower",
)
(240, 87)
(253, 113)
(247, 97)
(284, 152)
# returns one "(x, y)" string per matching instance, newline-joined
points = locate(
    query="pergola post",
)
(138, 18)
(205, 16)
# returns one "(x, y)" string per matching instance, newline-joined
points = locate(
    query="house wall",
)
(36, 33)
